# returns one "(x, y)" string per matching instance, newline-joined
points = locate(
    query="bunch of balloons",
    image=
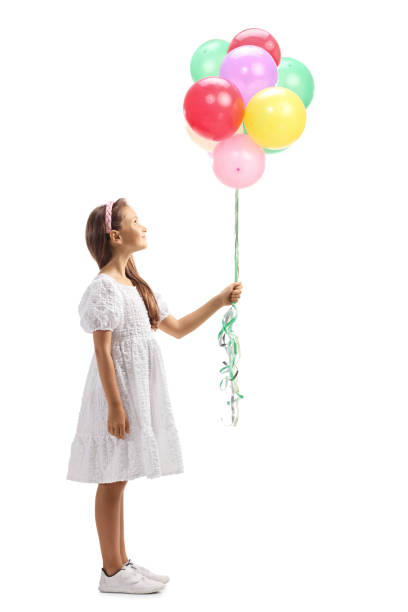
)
(246, 101)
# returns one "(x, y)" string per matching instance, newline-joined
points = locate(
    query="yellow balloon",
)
(275, 117)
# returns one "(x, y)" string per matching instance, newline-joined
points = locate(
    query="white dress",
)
(152, 447)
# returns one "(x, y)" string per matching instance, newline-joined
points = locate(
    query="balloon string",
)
(230, 369)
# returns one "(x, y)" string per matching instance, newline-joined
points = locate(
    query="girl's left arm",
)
(181, 327)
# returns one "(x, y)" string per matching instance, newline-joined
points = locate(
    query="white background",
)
(303, 505)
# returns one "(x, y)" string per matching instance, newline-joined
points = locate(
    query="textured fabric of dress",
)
(152, 446)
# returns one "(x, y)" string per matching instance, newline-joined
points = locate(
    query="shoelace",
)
(130, 564)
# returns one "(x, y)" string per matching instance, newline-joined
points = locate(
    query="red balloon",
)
(259, 38)
(214, 108)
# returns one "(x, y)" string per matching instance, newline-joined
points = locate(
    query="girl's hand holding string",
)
(178, 328)
(118, 423)
(231, 293)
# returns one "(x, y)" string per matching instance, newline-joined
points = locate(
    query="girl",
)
(125, 426)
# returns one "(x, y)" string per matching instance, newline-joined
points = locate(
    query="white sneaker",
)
(146, 572)
(128, 580)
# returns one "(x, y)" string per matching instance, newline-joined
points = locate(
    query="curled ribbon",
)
(232, 346)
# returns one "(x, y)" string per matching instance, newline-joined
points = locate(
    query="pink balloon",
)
(238, 161)
(250, 69)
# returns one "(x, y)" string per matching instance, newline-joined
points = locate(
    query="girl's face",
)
(132, 231)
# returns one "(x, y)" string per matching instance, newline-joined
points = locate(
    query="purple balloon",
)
(250, 68)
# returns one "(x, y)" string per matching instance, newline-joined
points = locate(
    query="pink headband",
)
(108, 217)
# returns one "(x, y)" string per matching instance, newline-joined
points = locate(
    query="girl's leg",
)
(123, 554)
(107, 517)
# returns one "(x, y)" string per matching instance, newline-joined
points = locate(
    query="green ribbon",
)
(232, 347)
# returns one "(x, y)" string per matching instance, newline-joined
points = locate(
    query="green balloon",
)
(268, 150)
(207, 59)
(274, 150)
(294, 75)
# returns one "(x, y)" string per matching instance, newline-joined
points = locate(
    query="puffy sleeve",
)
(164, 310)
(99, 307)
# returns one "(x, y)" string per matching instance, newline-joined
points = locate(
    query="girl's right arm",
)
(118, 423)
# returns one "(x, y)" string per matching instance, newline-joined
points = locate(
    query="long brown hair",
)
(99, 245)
